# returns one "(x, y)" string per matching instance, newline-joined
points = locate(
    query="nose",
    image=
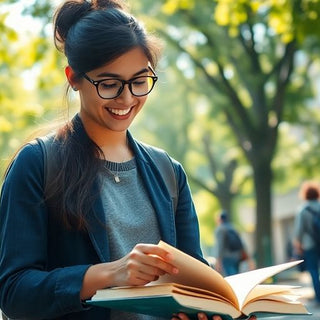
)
(125, 96)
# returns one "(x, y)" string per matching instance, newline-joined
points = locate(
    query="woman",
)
(97, 222)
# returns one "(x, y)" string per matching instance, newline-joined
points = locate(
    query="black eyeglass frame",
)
(123, 83)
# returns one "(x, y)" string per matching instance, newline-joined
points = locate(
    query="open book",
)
(197, 287)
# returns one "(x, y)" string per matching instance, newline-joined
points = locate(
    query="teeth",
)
(120, 112)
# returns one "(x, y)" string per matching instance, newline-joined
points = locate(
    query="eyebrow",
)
(114, 75)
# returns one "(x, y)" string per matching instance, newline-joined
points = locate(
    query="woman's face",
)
(115, 114)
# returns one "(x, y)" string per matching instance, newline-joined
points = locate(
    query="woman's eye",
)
(139, 82)
(109, 84)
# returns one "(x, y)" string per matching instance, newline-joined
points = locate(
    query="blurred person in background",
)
(306, 236)
(230, 248)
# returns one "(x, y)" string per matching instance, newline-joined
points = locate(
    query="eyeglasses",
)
(111, 88)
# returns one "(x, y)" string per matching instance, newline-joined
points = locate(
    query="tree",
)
(247, 50)
(223, 175)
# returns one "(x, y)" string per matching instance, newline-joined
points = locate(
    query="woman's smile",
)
(119, 112)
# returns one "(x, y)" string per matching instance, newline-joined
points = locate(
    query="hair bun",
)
(108, 4)
(70, 12)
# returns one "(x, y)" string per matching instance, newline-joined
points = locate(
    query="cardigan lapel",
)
(157, 190)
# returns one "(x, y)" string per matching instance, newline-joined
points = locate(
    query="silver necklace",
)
(115, 175)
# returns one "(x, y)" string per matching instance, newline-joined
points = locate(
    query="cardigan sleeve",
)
(27, 288)
(187, 225)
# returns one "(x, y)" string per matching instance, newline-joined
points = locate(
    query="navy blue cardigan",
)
(42, 264)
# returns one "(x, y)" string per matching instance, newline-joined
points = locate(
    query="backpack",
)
(315, 232)
(233, 240)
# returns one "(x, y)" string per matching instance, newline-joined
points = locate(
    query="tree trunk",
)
(225, 203)
(263, 183)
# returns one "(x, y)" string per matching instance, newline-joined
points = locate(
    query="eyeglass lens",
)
(139, 86)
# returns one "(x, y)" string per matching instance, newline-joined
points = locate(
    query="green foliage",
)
(30, 83)
(171, 6)
(291, 19)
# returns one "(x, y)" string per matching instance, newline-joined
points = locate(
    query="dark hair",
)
(94, 33)
(224, 216)
(73, 176)
(310, 190)
(91, 34)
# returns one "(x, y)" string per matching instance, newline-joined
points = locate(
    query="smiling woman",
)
(92, 215)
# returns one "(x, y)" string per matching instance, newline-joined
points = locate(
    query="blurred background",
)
(237, 103)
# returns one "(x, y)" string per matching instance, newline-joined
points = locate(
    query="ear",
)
(71, 76)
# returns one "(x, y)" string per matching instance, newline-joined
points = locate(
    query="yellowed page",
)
(270, 289)
(269, 306)
(280, 297)
(156, 290)
(194, 273)
(243, 283)
(206, 305)
(197, 292)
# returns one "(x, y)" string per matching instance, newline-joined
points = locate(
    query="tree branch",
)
(283, 73)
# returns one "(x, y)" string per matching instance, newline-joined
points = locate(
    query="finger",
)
(144, 276)
(155, 265)
(140, 269)
(152, 264)
(138, 273)
(153, 249)
(203, 316)
(182, 316)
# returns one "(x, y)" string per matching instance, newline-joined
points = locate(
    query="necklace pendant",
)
(116, 179)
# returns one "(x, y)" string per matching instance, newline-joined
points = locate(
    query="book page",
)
(275, 307)
(262, 290)
(208, 306)
(195, 273)
(243, 283)
(159, 289)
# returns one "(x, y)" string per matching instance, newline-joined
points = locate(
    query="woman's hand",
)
(145, 263)
(202, 316)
